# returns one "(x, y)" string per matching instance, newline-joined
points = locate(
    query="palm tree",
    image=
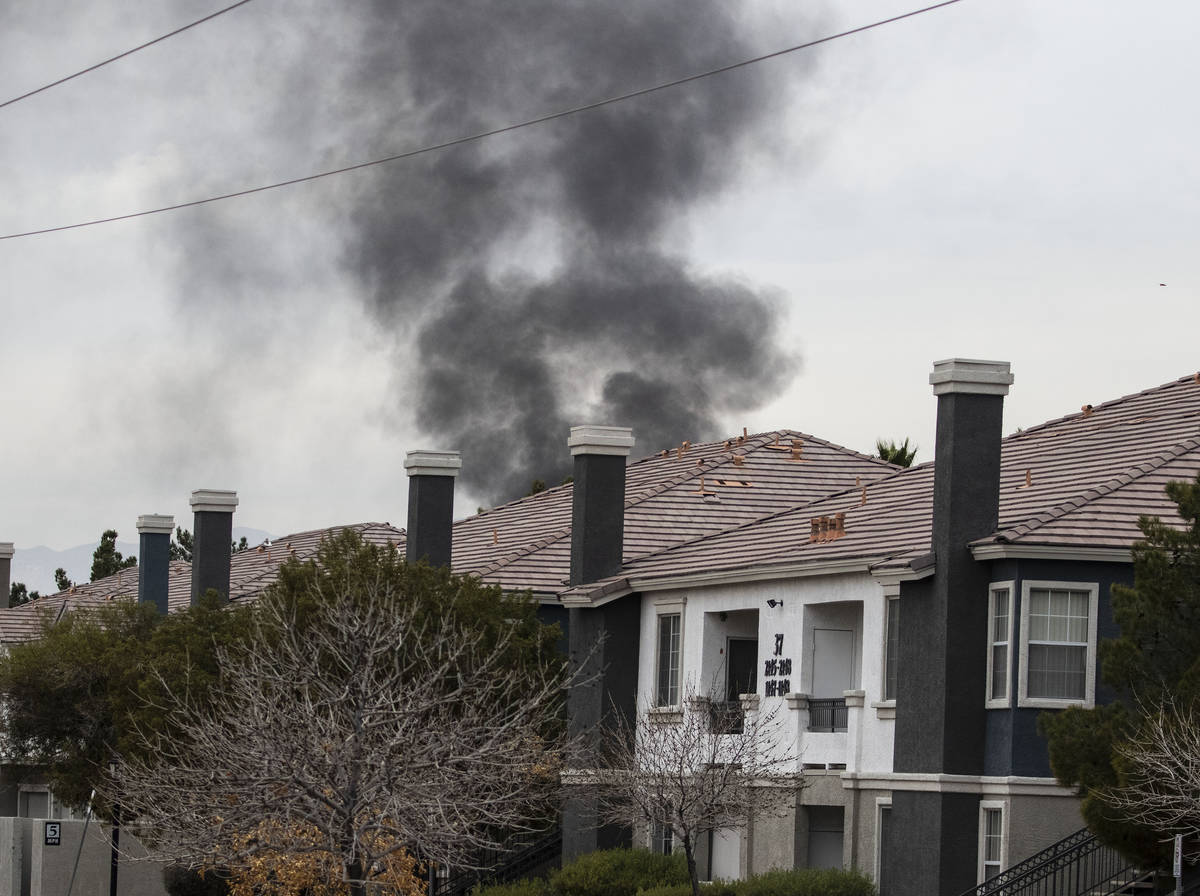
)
(895, 453)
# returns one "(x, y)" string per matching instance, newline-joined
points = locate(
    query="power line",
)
(112, 59)
(481, 135)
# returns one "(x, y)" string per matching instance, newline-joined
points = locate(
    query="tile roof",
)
(1080, 481)
(671, 497)
(251, 572)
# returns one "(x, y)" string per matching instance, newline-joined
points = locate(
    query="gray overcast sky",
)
(998, 179)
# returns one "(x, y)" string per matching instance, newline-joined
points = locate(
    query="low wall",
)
(29, 866)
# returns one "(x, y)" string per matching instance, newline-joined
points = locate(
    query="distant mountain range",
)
(35, 566)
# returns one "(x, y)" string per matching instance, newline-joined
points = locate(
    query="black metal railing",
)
(827, 715)
(1075, 865)
(530, 859)
(727, 718)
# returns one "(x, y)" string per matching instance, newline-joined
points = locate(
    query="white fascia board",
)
(894, 577)
(1050, 552)
(983, 785)
(726, 577)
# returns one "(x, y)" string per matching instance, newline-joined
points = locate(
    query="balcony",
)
(827, 714)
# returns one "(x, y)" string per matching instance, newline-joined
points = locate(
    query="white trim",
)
(433, 463)
(593, 439)
(970, 375)
(1089, 689)
(886, 654)
(6, 550)
(986, 806)
(893, 576)
(155, 524)
(725, 577)
(665, 610)
(881, 803)
(212, 500)
(989, 701)
(982, 785)
(1082, 553)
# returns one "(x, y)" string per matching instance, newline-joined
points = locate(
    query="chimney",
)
(970, 412)
(430, 532)
(598, 503)
(6, 553)
(941, 720)
(212, 540)
(154, 559)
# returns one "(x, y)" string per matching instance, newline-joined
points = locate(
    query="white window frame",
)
(1000, 702)
(1089, 692)
(890, 594)
(882, 804)
(986, 806)
(673, 607)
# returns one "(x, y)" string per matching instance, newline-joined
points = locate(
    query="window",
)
(999, 643)
(1058, 643)
(667, 691)
(663, 839)
(891, 650)
(883, 838)
(991, 839)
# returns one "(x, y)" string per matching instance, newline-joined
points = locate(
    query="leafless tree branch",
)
(381, 731)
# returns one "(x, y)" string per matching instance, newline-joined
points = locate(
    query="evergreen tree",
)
(107, 560)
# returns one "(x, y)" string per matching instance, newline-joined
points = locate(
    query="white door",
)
(833, 662)
(726, 854)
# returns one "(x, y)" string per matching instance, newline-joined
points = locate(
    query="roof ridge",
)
(1191, 377)
(1119, 481)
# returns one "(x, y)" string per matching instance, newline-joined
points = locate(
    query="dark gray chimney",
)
(430, 531)
(941, 720)
(154, 559)
(598, 504)
(6, 554)
(212, 540)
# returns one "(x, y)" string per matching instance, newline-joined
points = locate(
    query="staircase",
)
(1077, 865)
(532, 859)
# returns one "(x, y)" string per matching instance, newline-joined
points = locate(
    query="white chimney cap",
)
(591, 439)
(433, 463)
(6, 550)
(155, 524)
(211, 500)
(968, 375)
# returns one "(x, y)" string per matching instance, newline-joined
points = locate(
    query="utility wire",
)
(111, 59)
(472, 138)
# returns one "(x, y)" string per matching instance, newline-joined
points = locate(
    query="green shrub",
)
(535, 887)
(806, 882)
(618, 872)
(672, 890)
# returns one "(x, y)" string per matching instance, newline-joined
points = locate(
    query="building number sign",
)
(777, 672)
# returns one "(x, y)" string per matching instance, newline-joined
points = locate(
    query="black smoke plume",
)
(532, 280)
(535, 269)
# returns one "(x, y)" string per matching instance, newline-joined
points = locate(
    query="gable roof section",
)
(1080, 481)
(251, 572)
(670, 498)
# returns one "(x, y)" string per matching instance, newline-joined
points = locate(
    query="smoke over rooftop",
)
(536, 279)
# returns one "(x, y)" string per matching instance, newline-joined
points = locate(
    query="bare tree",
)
(694, 770)
(1161, 774)
(356, 726)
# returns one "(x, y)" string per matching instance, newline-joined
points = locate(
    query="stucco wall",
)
(29, 867)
